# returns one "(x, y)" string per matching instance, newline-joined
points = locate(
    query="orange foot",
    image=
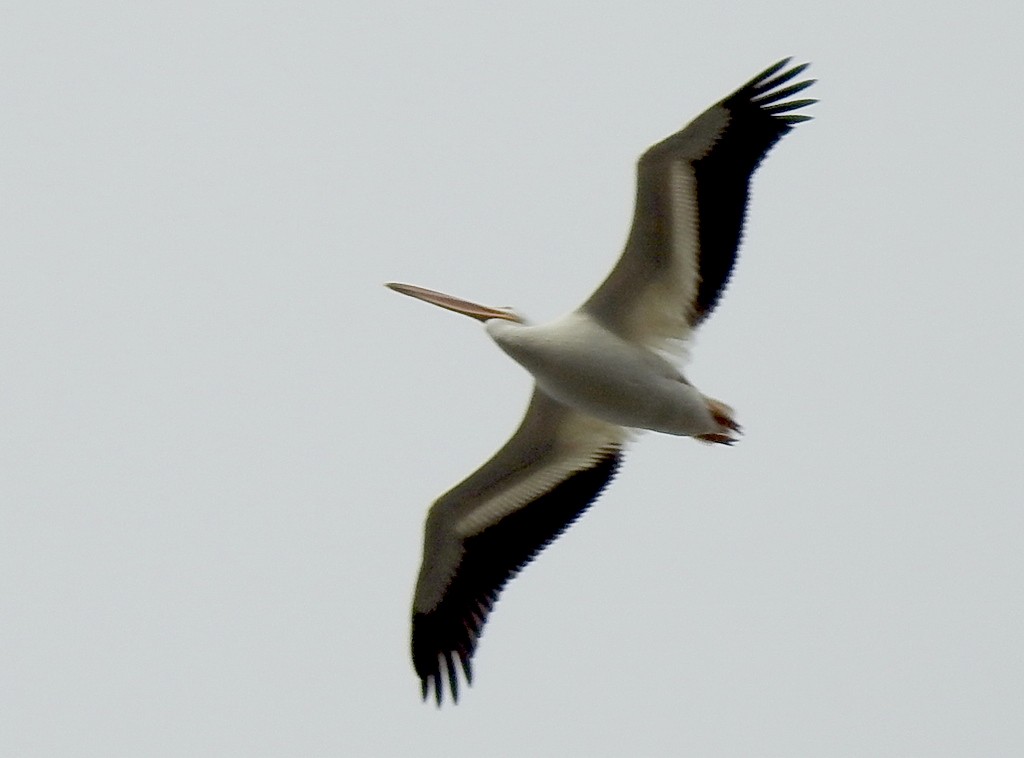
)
(722, 414)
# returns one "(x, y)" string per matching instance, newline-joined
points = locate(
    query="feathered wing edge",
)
(486, 529)
(691, 197)
(757, 120)
(490, 560)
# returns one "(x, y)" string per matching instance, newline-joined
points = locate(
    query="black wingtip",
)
(453, 677)
(768, 72)
(766, 93)
(770, 83)
(790, 105)
(769, 79)
(435, 679)
(774, 95)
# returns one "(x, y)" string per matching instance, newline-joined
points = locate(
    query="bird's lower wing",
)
(482, 532)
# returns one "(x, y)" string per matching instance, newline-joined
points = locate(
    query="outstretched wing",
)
(691, 198)
(482, 532)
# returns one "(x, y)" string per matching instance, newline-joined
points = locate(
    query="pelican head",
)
(474, 310)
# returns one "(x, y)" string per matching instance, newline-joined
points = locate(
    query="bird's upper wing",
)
(482, 532)
(691, 197)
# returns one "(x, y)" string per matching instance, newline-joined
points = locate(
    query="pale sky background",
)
(219, 434)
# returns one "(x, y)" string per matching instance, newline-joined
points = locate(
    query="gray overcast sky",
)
(219, 433)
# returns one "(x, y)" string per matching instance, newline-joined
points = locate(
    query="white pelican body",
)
(600, 371)
(581, 364)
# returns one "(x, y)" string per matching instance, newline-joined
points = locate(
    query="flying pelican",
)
(599, 372)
